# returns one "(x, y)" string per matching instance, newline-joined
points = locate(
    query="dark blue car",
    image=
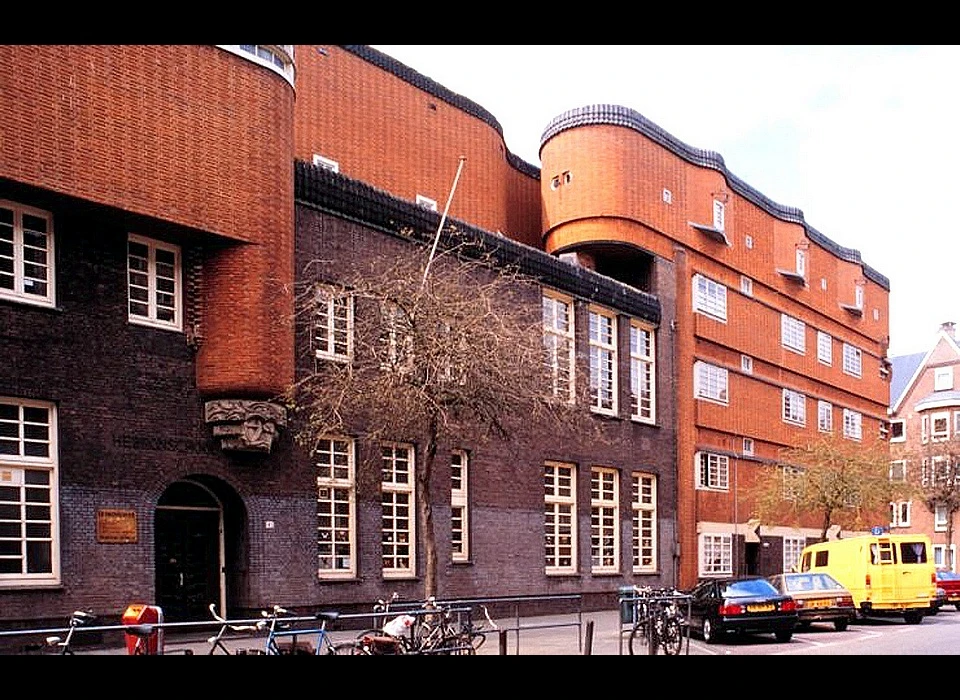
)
(746, 604)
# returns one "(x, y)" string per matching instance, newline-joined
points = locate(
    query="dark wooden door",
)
(187, 563)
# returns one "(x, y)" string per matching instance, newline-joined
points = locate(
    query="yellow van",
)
(886, 574)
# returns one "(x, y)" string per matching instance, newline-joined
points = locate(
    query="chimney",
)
(948, 328)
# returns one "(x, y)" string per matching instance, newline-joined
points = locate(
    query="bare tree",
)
(457, 354)
(935, 477)
(834, 479)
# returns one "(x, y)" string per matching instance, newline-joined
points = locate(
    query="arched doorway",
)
(189, 551)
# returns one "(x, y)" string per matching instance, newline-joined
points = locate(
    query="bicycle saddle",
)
(329, 616)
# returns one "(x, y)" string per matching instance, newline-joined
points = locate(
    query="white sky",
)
(864, 140)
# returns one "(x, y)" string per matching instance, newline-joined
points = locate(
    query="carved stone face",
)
(258, 432)
(246, 426)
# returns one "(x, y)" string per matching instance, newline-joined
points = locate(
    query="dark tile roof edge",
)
(357, 201)
(418, 80)
(631, 119)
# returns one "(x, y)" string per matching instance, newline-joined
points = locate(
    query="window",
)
(900, 514)
(792, 483)
(277, 57)
(825, 416)
(941, 559)
(603, 362)
(898, 470)
(748, 240)
(898, 430)
(748, 446)
(710, 382)
(801, 262)
(398, 513)
(459, 511)
(718, 215)
(940, 516)
(153, 283)
(936, 472)
(29, 510)
(26, 254)
(642, 373)
(713, 471)
(560, 524)
(792, 333)
(852, 360)
(746, 285)
(667, 196)
(956, 422)
(824, 348)
(558, 341)
(336, 508)
(716, 555)
(940, 426)
(604, 520)
(746, 364)
(924, 428)
(326, 163)
(794, 407)
(644, 501)
(333, 325)
(709, 297)
(426, 202)
(858, 296)
(943, 378)
(852, 427)
(792, 546)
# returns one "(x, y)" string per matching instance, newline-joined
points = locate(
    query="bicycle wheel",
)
(354, 648)
(671, 637)
(639, 643)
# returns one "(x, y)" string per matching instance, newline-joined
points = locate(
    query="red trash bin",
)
(147, 620)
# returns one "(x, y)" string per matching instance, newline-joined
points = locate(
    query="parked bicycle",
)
(62, 646)
(660, 624)
(279, 629)
(217, 641)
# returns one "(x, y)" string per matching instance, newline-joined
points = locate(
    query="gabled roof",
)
(903, 363)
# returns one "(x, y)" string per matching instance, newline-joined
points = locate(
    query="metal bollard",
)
(503, 642)
(588, 639)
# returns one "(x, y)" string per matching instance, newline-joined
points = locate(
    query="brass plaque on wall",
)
(117, 526)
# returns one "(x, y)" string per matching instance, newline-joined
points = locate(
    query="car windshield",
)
(800, 583)
(750, 587)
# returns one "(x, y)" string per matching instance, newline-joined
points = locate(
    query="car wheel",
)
(784, 635)
(933, 610)
(912, 617)
(841, 625)
(709, 633)
(805, 625)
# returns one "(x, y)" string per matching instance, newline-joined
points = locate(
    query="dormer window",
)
(943, 379)
(801, 262)
(718, 215)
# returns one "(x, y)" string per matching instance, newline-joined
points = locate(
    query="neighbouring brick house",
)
(158, 205)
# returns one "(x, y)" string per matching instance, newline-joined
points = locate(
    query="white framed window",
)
(710, 382)
(558, 341)
(794, 407)
(940, 515)
(792, 546)
(746, 364)
(426, 202)
(900, 514)
(276, 57)
(604, 520)
(642, 373)
(825, 416)
(823, 283)
(667, 196)
(747, 446)
(26, 254)
(792, 484)
(748, 241)
(336, 508)
(154, 283)
(943, 378)
(940, 426)
(29, 500)
(718, 215)
(898, 470)
(824, 348)
(716, 554)
(858, 296)
(459, 505)
(945, 557)
(603, 361)
(852, 360)
(935, 472)
(793, 334)
(709, 298)
(713, 471)
(898, 429)
(560, 517)
(333, 325)
(801, 262)
(398, 510)
(956, 422)
(852, 424)
(924, 428)
(746, 285)
(644, 503)
(326, 163)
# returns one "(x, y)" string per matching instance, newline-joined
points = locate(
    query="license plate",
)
(766, 607)
(819, 603)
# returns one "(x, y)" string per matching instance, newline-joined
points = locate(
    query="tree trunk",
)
(425, 512)
(827, 513)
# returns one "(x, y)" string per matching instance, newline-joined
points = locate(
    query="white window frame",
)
(643, 373)
(801, 259)
(852, 360)
(710, 383)
(560, 518)
(924, 428)
(30, 252)
(858, 296)
(939, 518)
(938, 434)
(603, 361)
(644, 505)
(943, 378)
(824, 348)
(956, 423)
(604, 520)
(559, 343)
(716, 554)
(29, 465)
(333, 326)
(326, 163)
(939, 557)
(898, 470)
(793, 334)
(746, 364)
(460, 505)
(824, 416)
(748, 241)
(398, 523)
(713, 471)
(852, 424)
(147, 279)
(746, 285)
(900, 513)
(792, 546)
(336, 508)
(426, 202)
(902, 437)
(794, 407)
(709, 298)
(719, 215)
(748, 446)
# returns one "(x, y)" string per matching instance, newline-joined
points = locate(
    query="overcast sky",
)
(862, 139)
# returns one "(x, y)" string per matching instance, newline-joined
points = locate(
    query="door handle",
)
(181, 579)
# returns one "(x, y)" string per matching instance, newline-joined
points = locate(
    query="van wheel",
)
(841, 625)
(912, 617)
